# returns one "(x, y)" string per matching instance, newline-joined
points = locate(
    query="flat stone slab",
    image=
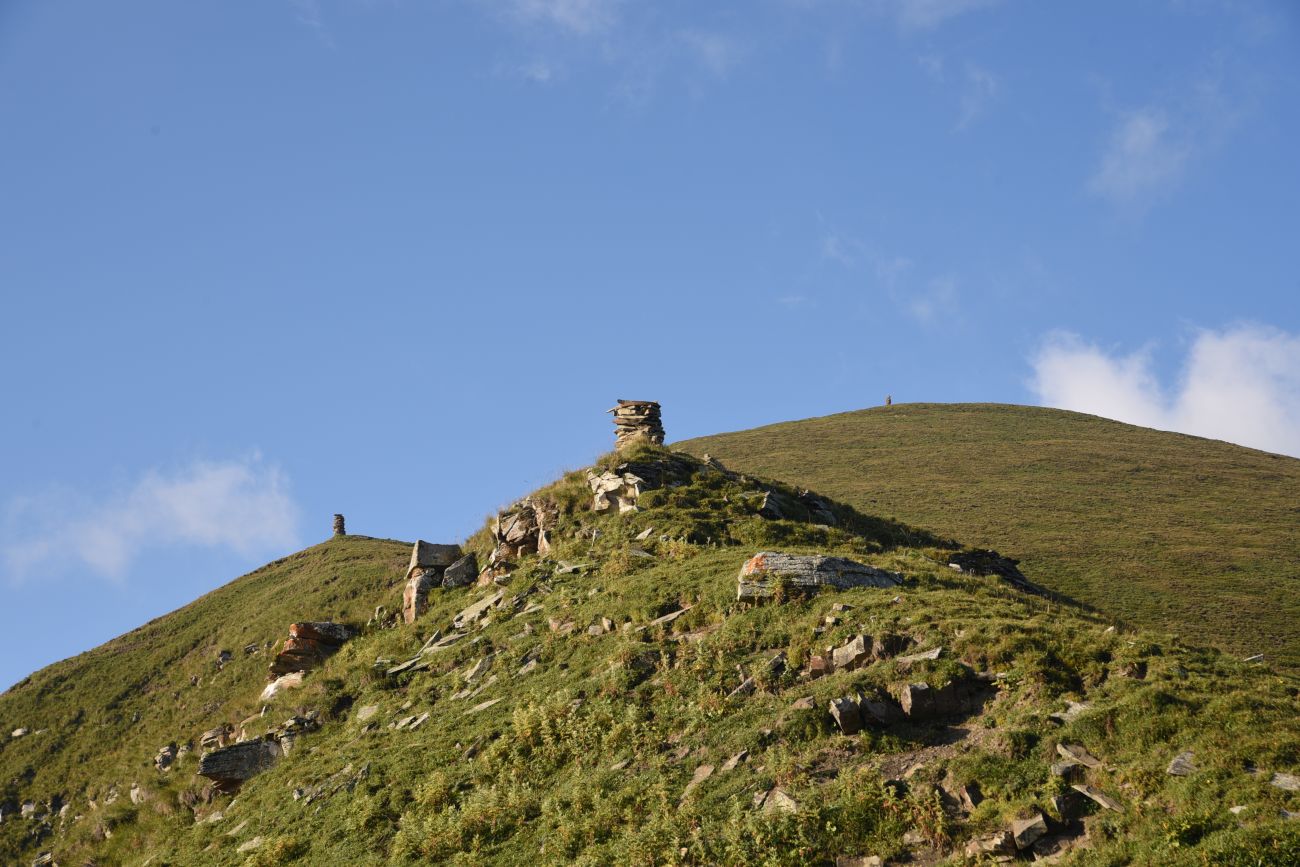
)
(474, 612)
(1078, 753)
(239, 762)
(1099, 797)
(1289, 782)
(428, 555)
(767, 572)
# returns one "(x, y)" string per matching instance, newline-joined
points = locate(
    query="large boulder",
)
(766, 573)
(461, 573)
(921, 701)
(428, 555)
(309, 644)
(230, 766)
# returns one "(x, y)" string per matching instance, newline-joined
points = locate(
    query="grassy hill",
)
(618, 704)
(1169, 531)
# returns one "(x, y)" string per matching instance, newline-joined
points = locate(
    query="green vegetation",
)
(585, 757)
(1158, 529)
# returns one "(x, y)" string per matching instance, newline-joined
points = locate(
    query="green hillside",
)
(611, 701)
(1173, 532)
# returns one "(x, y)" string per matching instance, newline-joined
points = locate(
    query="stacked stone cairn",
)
(434, 566)
(637, 421)
(339, 529)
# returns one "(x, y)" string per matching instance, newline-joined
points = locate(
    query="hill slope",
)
(1165, 530)
(612, 701)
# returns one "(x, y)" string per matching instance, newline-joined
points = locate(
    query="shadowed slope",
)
(1166, 530)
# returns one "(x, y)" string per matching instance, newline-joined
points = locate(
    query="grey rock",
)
(232, 765)
(427, 555)
(1182, 765)
(475, 612)
(1289, 782)
(1073, 709)
(1099, 797)
(775, 801)
(1025, 832)
(462, 573)
(365, 712)
(1078, 753)
(702, 773)
(999, 843)
(922, 702)
(847, 715)
(852, 654)
(415, 595)
(767, 572)
(925, 655)
(732, 763)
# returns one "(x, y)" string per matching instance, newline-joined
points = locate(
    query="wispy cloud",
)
(927, 299)
(1150, 149)
(1240, 384)
(979, 87)
(716, 52)
(928, 14)
(241, 505)
(309, 15)
(581, 17)
(1144, 157)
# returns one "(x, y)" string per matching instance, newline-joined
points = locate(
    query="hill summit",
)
(659, 659)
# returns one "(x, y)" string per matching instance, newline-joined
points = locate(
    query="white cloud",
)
(309, 15)
(243, 506)
(928, 14)
(582, 17)
(716, 52)
(1144, 156)
(935, 300)
(979, 87)
(1241, 384)
(538, 72)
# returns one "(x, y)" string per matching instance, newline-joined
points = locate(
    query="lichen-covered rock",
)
(429, 555)
(230, 766)
(461, 573)
(764, 574)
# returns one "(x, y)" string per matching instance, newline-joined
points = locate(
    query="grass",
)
(586, 758)
(1158, 529)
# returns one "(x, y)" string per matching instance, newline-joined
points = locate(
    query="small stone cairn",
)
(636, 421)
(339, 529)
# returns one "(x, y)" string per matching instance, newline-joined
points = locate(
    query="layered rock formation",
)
(764, 574)
(308, 645)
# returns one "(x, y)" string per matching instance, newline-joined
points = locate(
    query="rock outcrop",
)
(766, 573)
(309, 644)
(637, 421)
(228, 767)
(522, 529)
(989, 562)
(429, 562)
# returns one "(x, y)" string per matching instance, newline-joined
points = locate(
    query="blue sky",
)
(264, 261)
